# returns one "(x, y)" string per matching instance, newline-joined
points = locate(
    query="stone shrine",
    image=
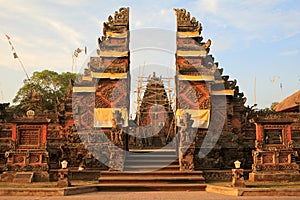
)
(28, 150)
(274, 156)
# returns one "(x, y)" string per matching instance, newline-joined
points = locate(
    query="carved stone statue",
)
(116, 158)
(186, 126)
(116, 134)
(186, 145)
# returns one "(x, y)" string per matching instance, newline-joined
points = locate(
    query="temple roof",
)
(289, 103)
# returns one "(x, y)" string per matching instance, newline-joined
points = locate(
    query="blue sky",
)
(250, 39)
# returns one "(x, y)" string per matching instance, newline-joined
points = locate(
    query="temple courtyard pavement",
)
(192, 195)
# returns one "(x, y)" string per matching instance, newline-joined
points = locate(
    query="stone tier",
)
(274, 176)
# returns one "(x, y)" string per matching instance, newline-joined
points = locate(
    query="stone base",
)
(41, 177)
(186, 158)
(290, 177)
(64, 183)
(117, 158)
(237, 183)
(63, 178)
(238, 178)
(222, 175)
(9, 176)
(85, 175)
(23, 177)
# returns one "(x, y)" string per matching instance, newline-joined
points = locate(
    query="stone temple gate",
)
(205, 129)
(102, 100)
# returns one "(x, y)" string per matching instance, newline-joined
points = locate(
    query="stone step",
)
(151, 162)
(151, 174)
(151, 168)
(151, 158)
(152, 154)
(147, 179)
(152, 187)
(152, 181)
(23, 177)
(153, 151)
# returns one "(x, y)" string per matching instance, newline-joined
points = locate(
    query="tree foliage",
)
(43, 91)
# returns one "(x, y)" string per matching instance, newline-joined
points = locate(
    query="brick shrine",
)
(28, 149)
(274, 156)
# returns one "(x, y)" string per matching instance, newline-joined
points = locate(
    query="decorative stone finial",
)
(184, 21)
(119, 22)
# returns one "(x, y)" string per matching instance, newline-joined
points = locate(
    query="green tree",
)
(42, 91)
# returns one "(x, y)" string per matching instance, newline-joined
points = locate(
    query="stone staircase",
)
(151, 170)
(151, 160)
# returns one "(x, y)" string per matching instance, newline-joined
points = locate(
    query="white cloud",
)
(67, 33)
(138, 23)
(67, 2)
(290, 53)
(209, 5)
(219, 44)
(257, 19)
(42, 37)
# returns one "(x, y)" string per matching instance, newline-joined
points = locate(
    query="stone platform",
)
(253, 191)
(79, 190)
(47, 191)
(152, 181)
(287, 177)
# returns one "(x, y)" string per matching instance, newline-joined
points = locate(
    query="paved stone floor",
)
(147, 195)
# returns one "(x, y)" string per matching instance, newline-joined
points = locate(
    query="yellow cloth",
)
(84, 89)
(223, 92)
(201, 53)
(200, 117)
(104, 116)
(109, 75)
(188, 34)
(116, 35)
(196, 78)
(113, 53)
